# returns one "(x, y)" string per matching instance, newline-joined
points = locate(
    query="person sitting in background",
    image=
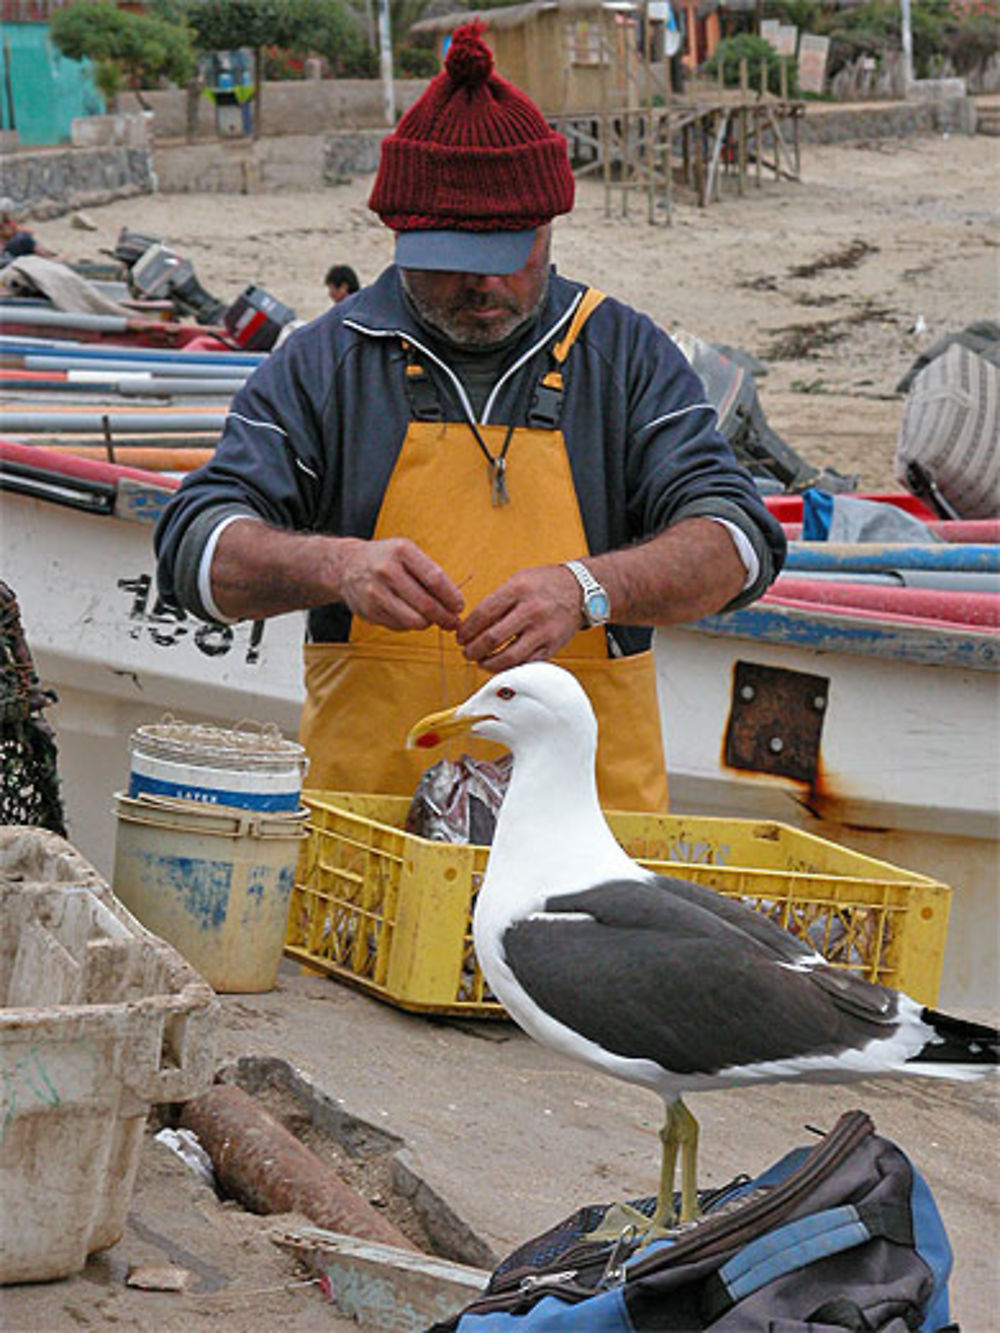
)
(341, 282)
(15, 240)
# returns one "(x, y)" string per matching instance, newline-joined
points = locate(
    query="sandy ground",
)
(513, 1138)
(900, 238)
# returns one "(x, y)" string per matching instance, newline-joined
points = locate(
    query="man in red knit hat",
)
(471, 464)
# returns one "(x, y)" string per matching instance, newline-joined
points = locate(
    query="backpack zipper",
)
(717, 1234)
(520, 1288)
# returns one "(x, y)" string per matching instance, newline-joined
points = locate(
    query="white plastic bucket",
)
(249, 767)
(214, 881)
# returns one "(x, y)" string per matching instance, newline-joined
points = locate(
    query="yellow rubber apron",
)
(364, 695)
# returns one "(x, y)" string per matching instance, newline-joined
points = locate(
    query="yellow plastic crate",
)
(392, 913)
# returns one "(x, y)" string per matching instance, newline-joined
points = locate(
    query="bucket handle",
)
(243, 823)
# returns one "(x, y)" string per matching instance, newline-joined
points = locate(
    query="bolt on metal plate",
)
(776, 721)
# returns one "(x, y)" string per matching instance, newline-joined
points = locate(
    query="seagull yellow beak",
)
(436, 728)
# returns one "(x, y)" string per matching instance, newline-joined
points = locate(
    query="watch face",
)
(597, 606)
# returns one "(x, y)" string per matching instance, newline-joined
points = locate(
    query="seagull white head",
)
(537, 703)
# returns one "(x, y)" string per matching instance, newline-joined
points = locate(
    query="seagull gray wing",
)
(674, 973)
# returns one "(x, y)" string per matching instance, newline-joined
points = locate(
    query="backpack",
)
(843, 1236)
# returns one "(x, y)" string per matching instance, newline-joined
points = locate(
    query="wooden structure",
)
(569, 56)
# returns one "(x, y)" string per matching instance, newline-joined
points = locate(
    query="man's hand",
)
(394, 584)
(260, 571)
(686, 572)
(527, 619)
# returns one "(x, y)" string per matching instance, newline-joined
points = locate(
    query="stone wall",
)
(267, 165)
(305, 106)
(889, 120)
(48, 182)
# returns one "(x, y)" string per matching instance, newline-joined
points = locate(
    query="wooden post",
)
(795, 144)
(668, 168)
(650, 143)
(605, 123)
(741, 181)
(783, 74)
(699, 160)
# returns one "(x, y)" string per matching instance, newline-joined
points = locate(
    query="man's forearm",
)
(688, 571)
(259, 571)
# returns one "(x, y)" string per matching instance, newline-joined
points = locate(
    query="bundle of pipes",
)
(107, 425)
(123, 383)
(95, 328)
(65, 354)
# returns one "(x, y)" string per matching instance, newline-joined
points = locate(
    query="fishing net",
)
(29, 779)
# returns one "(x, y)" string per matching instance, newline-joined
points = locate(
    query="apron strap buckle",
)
(425, 405)
(546, 405)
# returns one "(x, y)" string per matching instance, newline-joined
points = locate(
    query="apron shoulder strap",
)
(589, 302)
(546, 404)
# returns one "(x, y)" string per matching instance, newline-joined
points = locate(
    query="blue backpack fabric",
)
(843, 1236)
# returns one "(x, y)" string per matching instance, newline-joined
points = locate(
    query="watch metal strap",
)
(591, 587)
(583, 576)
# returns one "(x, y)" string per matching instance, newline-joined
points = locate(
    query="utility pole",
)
(907, 48)
(385, 62)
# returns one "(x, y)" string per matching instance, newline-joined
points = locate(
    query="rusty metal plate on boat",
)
(776, 721)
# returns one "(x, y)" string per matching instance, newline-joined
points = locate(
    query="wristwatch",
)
(596, 602)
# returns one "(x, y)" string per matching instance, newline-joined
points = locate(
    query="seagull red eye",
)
(505, 692)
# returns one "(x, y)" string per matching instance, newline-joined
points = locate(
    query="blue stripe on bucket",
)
(140, 783)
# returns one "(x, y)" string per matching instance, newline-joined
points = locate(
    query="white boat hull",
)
(117, 660)
(907, 771)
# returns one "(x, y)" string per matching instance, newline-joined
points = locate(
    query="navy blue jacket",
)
(312, 438)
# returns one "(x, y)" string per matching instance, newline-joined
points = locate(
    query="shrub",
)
(416, 62)
(755, 51)
(965, 34)
(133, 50)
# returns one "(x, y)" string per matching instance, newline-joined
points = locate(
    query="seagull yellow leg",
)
(679, 1135)
(687, 1134)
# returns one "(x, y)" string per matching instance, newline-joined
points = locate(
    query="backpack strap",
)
(546, 404)
(796, 1245)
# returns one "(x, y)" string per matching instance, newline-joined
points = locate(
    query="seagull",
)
(659, 981)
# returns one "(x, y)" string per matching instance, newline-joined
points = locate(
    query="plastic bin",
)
(100, 1020)
(391, 912)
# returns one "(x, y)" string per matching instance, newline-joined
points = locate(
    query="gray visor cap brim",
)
(489, 252)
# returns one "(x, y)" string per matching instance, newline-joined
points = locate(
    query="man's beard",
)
(446, 316)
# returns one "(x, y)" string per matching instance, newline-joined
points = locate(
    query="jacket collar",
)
(381, 311)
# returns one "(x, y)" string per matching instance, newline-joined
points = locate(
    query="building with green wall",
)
(41, 91)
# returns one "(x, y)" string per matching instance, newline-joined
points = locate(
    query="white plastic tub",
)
(100, 1020)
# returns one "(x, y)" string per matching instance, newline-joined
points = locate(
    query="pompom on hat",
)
(471, 169)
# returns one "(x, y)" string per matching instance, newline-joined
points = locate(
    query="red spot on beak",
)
(428, 740)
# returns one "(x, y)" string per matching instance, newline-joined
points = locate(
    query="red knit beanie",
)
(474, 153)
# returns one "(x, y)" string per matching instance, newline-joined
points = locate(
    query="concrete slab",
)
(386, 1290)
